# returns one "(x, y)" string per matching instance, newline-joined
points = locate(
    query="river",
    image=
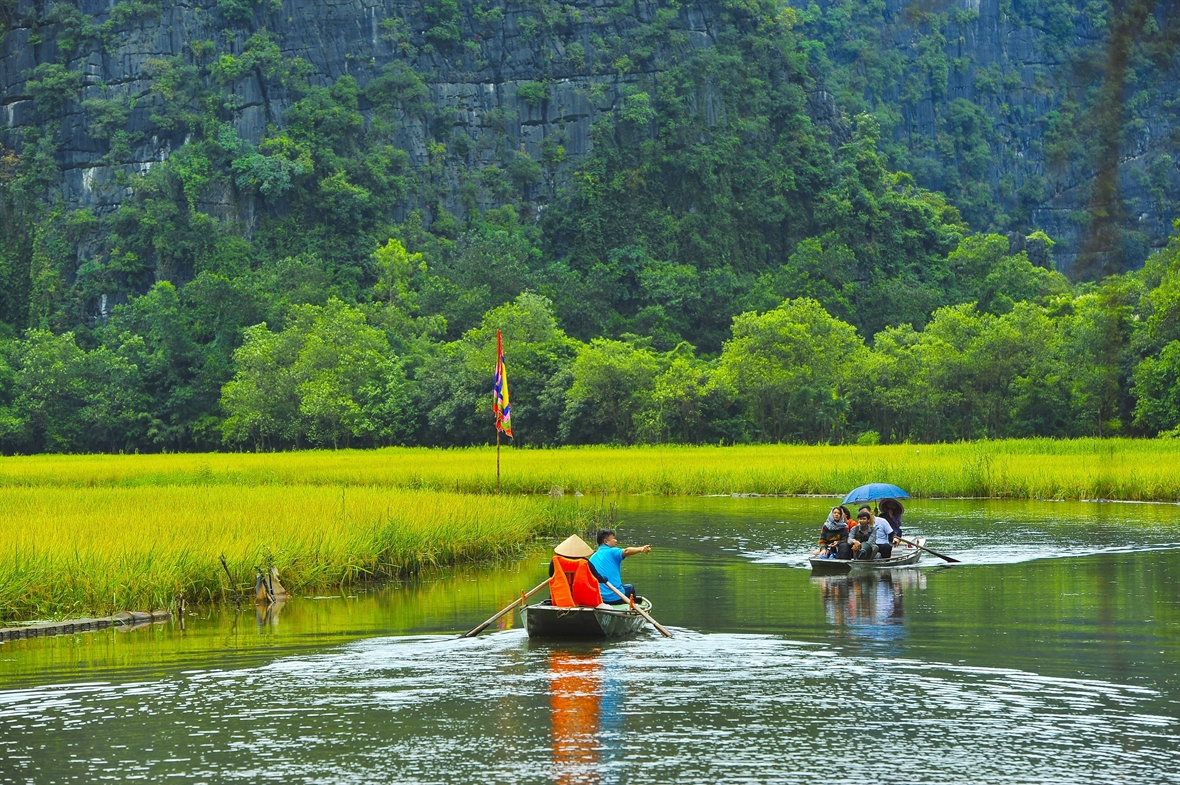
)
(1052, 654)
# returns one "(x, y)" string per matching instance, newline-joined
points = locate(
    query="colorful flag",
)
(500, 391)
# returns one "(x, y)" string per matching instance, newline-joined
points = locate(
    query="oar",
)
(936, 553)
(641, 611)
(524, 596)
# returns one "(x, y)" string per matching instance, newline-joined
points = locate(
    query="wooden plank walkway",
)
(123, 619)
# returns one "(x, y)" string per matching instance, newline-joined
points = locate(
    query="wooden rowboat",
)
(908, 557)
(545, 620)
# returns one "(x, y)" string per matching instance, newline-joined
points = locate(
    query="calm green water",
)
(1051, 655)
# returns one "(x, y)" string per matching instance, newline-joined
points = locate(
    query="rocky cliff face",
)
(474, 82)
(988, 100)
(1020, 111)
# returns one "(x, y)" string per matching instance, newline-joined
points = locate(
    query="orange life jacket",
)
(573, 583)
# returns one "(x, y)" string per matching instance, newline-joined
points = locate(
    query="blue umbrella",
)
(874, 491)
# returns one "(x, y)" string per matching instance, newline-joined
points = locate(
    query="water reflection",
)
(587, 713)
(575, 694)
(1076, 653)
(268, 615)
(869, 606)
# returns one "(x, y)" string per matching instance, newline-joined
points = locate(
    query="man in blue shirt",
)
(608, 561)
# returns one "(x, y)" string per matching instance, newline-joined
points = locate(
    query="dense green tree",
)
(966, 375)
(65, 398)
(326, 379)
(984, 271)
(611, 388)
(717, 254)
(1096, 339)
(790, 370)
(1157, 391)
(684, 399)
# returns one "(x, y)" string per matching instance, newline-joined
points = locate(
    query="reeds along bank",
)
(67, 551)
(1129, 469)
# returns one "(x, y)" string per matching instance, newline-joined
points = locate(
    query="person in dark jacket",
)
(891, 511)
(860, 536)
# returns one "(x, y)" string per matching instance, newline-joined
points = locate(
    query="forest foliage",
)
(712, 271)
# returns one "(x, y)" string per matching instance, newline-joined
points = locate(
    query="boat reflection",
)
(575, 703)
(869, 606)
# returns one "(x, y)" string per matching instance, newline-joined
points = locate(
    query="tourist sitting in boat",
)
(860, 536)
(872, 538)
(891, 511)
(833, 536)
(573, 581)
(608, 562)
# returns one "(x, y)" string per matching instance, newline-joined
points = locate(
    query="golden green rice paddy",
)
(1130, 469)
(80, 551)
(101, 533)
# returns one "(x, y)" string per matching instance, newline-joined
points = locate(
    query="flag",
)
(500, 392)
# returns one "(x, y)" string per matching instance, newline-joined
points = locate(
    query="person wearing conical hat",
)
(574, 547)
(573, 581)
(607, 561)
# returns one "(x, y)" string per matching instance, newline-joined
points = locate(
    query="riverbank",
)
(1125, 469)
(90, 551)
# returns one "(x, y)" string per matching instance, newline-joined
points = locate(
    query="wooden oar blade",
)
(523, 596)
(949, 559)
(639, 610)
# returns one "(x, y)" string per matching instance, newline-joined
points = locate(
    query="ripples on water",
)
(697, 708)
(994, 672)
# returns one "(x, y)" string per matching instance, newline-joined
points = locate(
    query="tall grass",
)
(67, 552)
(1036, 468)
(100, 533)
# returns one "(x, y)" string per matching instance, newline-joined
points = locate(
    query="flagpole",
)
(497, 461)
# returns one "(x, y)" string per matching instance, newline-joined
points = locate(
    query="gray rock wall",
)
(1041, 73)
(477, 79)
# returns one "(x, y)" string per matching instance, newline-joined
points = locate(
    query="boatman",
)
(608, 563)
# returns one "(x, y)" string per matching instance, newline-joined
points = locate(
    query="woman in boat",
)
(833, 536)
(891, 511)
(573, 581)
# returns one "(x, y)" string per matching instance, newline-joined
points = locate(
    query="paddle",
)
(935, 553)
(524, 596)
(640, 610)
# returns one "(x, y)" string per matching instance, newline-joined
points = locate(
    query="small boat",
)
(907, 557)
(545, 620)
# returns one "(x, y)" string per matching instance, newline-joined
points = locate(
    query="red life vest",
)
(573, 583)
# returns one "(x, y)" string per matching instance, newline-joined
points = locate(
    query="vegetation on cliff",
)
(720, 266)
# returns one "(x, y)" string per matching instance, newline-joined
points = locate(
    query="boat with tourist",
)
(546, 620)
(576, 608)
(873, 544)
(908, 558)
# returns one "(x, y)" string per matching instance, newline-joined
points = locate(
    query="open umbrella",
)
(874, 491)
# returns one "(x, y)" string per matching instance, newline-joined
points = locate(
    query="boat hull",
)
(544, 620)
(839, 566)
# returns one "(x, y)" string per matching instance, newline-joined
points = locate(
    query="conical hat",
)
(574, 547)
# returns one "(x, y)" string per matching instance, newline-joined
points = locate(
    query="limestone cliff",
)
(474, 83)
(988, 100)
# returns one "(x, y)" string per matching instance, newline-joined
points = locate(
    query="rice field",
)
(82, 551)
(91, 534)
(1129, 469)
